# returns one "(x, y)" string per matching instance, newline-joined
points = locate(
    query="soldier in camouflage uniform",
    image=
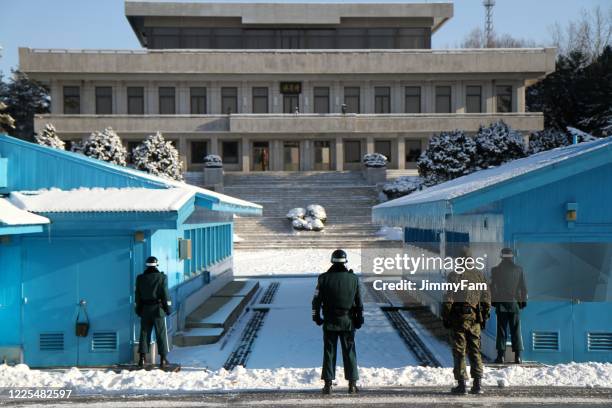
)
(337, 293)
(465, 312)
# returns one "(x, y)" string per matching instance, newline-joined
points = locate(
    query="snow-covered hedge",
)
(213, 161)
(311, 219)
(497, 144)
(548, 139)
(105, 145)
(49, 137)
(402, 186)
(449, 155)
(375, 160)
(159, 157)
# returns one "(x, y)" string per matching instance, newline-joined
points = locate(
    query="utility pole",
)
(488, 22)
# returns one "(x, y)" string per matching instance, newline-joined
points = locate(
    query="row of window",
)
(288, 38)
(291, 102)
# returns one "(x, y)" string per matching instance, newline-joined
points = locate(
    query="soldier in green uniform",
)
(509, 295)
(152, 306)
(465, 312)
(337, 294)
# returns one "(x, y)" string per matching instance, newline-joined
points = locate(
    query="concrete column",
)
(401, 152)
(276, 98)
(246, 155)
(428, 97)
(243, 97)
(214, 105)
(57, 99)
(397, 105)
(277, 161)
(490, 96)
(306, 98)
(370, 145)
(88, 104)
(120, 96)
(520, 97)
(214, 145)
(151, 99)
(339, 154)
(336, 97)
(182, 95)
(367, 97)
(459, 97)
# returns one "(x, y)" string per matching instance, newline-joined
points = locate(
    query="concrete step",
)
(209, 322)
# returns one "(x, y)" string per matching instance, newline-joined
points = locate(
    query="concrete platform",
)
(209, 322)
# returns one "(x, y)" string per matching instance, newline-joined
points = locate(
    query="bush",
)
(48, 137)
(448, 156)
(497, 144)
(159, 157)
(105, 145)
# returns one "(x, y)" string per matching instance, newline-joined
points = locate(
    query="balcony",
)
(289, 123)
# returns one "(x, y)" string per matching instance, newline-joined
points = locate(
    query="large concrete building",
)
(300, 86)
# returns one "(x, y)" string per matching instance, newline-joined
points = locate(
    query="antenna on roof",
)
(489, 4)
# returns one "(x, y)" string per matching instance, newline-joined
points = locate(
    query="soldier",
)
(509, 297)
(152, 306)
(465, 312)
(337, 293)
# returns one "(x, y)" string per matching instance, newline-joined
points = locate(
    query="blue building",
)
(553, 209)
(74, 234)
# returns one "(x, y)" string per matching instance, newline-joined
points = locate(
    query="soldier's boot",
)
(163, 362)
(460, 388)
(352, 389)
(500, 357)
(517, 358)
(476, 387)
(141, 360)
(327, 388)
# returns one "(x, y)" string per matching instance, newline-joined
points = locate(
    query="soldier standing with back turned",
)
(509, 297)
(465, 313)
(337, 293)
(152, 306)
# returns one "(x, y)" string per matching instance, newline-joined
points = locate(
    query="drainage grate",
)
(268, 296)
(104, 341)
(545, 341)
(241, 353)
(51, 341)
(599, 341)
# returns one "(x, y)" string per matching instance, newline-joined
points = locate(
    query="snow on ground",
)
(268, 262)
(391, 233)
(99, 381)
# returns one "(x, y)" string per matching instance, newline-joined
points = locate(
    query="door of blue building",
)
(65, 276)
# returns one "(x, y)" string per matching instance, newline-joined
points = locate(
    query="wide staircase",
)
(346, 197)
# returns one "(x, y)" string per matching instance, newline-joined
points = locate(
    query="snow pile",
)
(157, 156)
(402, 186)
(213, 161)
(12, 215)
(311, 219)
(105, 145)
(391, 233)
(107, 382)
(375, 160)
(48, 137)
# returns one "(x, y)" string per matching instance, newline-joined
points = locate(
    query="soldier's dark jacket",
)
(337, 294)
(508, 286)
(151, 295)
(454, 301)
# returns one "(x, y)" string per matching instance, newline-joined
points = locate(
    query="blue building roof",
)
(34, 167)
(480, 189)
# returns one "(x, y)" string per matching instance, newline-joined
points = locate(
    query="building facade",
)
(287, 87)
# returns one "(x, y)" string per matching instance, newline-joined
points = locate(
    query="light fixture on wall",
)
(571, 213)
(139, 236)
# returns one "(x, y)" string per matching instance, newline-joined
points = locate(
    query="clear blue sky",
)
(102, 24)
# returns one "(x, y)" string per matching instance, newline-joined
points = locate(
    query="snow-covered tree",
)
(158, 156)
(105, 145)
(548, 139)
(6, 120)
(49, 137)
(448, 156)
(401, 186)
(498, 143)
(579, 135)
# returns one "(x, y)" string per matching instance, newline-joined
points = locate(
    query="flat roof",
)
(290, 13)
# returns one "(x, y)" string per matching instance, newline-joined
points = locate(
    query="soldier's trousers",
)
(161, 335)
(466, 340)
(509, 321)
(349, 355)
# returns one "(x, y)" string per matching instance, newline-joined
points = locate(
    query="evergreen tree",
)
(547, 139)
(158, 156)
(448, 156)
(24, 98)
(496, 144)
(49, 137)
(105, 145)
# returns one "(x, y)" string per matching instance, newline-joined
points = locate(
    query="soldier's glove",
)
(358, 322)
(522, 305)
(317, 319)
(138, 310)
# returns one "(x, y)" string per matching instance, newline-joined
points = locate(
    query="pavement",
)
(420, 397)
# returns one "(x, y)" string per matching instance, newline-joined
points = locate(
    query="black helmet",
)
(507, 253)
(339, 256)
(151, 261)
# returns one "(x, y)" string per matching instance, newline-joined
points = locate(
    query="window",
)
(228, 38)
(473, 99)
(381, 38)
(199, 149)
(352, 151)
(443, 99)
(291, 103)
(229, 100)
(321, 39)
(383, 147)
(196, 38)
(260, 100)
(259, 39)
(104, 100)
(165, 37)
(352, 38)
(198, 100)
(413, 99)
(382, 99)
(72, 100)
(414, 38)
(352, 99)
(321, 99)
(229, 152)
(135, 95)
(413, 150)
(167, 100)
(504, 98)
